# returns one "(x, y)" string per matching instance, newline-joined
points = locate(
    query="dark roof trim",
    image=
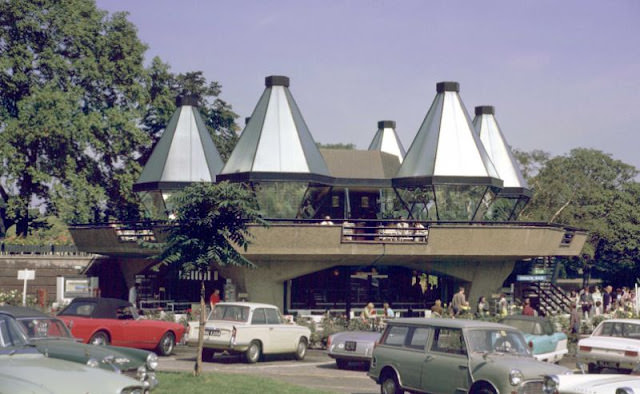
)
(515, 192)
(149, 186)
(275, 177)
(485, 110)
(276, 80)
(447, 180)
(383, 124)
(447, 87)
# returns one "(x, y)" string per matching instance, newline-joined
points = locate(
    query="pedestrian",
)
(606, 299)
(527, 310)
(586, 302)
(574, 320)
(387, 312)
(483, 307)
(133, 294)
(502, 305)
(458, 301)
(214, 298)
(437, 309)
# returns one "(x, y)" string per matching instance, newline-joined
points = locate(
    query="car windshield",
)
(497, 340)
(618, 329)
(10, 333)
(230, 312)
(43, 328)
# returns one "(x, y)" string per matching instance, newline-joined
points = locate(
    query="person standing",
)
(606, 299)
(214, 298)
(586, 302)
(133, 295)
(388, 313)
(527, 310)
(458, 301)
(597, 301)
(502, 305)
(574, 320)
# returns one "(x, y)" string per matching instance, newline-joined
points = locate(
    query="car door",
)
(446, 366)
(414, 356)
(259, 329)
(283, 336)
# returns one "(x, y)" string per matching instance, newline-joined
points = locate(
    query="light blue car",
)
(544, 342)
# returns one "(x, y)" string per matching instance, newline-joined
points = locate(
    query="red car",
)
(111, 321)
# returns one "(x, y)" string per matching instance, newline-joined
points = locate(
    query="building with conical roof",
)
(184, 154)
(446, 173)
(515, 192)
(386, 140)
(276, 154)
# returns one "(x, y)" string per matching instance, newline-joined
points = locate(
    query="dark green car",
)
(53, 339)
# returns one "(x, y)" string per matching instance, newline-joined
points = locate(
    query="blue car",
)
(544, 342)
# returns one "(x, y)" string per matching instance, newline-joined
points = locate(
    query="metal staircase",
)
(546, 297)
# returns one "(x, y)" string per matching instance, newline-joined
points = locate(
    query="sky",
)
(561, 74)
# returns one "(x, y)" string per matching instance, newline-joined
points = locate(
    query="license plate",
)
(215, 332)
(350, 346)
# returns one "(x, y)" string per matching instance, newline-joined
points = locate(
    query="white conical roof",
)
(386, 140)
(496, 146)
(184, 154)
(446, 148)
(276, 143)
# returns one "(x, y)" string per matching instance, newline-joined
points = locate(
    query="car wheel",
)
(390, 385)
(342, 364)
(301, 350)
(593, 368)
(253, 353)
(482, 389)
(167, 343)
(100, 338)
(207, 354)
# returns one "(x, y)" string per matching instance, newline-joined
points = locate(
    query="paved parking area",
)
(317, 370)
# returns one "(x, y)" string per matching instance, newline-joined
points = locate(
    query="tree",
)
(590, 190)
(211, 224)
(71, 84)
(217, 114)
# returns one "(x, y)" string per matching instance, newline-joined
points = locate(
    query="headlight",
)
(515, 377)
(141, 373)
(93, 363)
(152, 361)
(550, 384)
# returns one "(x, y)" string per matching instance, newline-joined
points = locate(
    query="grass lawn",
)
(230, 383)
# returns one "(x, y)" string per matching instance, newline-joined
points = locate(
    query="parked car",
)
(251, 329)
(456, 355)
(111, 321)
(544, 342)
(52, 337)
(591, 384)
(23, 369)
(349, 346)
(613, 344)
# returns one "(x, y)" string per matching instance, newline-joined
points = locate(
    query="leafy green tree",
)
(211, 225)
(589, 189)
(217, 114)
(71, 84)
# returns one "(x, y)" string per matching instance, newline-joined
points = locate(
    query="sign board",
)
(26, 274)
(531, 278)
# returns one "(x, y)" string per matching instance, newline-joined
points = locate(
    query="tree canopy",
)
(79, 112)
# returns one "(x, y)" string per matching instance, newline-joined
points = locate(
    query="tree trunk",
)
(198, 368)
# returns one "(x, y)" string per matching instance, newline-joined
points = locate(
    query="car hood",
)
(56, 376)
(124, 359)
(530, 367)
(597, 383)
(617, 343)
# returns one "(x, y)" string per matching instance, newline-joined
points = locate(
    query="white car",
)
(251, 329)
(613, 344)
(591, 384)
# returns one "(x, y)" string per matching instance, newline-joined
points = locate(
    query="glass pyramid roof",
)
(446, 149)
(386, 140)
(496, 146)
(184, 154)
(276, 143)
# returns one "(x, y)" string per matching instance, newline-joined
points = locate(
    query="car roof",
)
(523, 317)
(455, 323)
(252, 305)
(105, 307)
(22, 312)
